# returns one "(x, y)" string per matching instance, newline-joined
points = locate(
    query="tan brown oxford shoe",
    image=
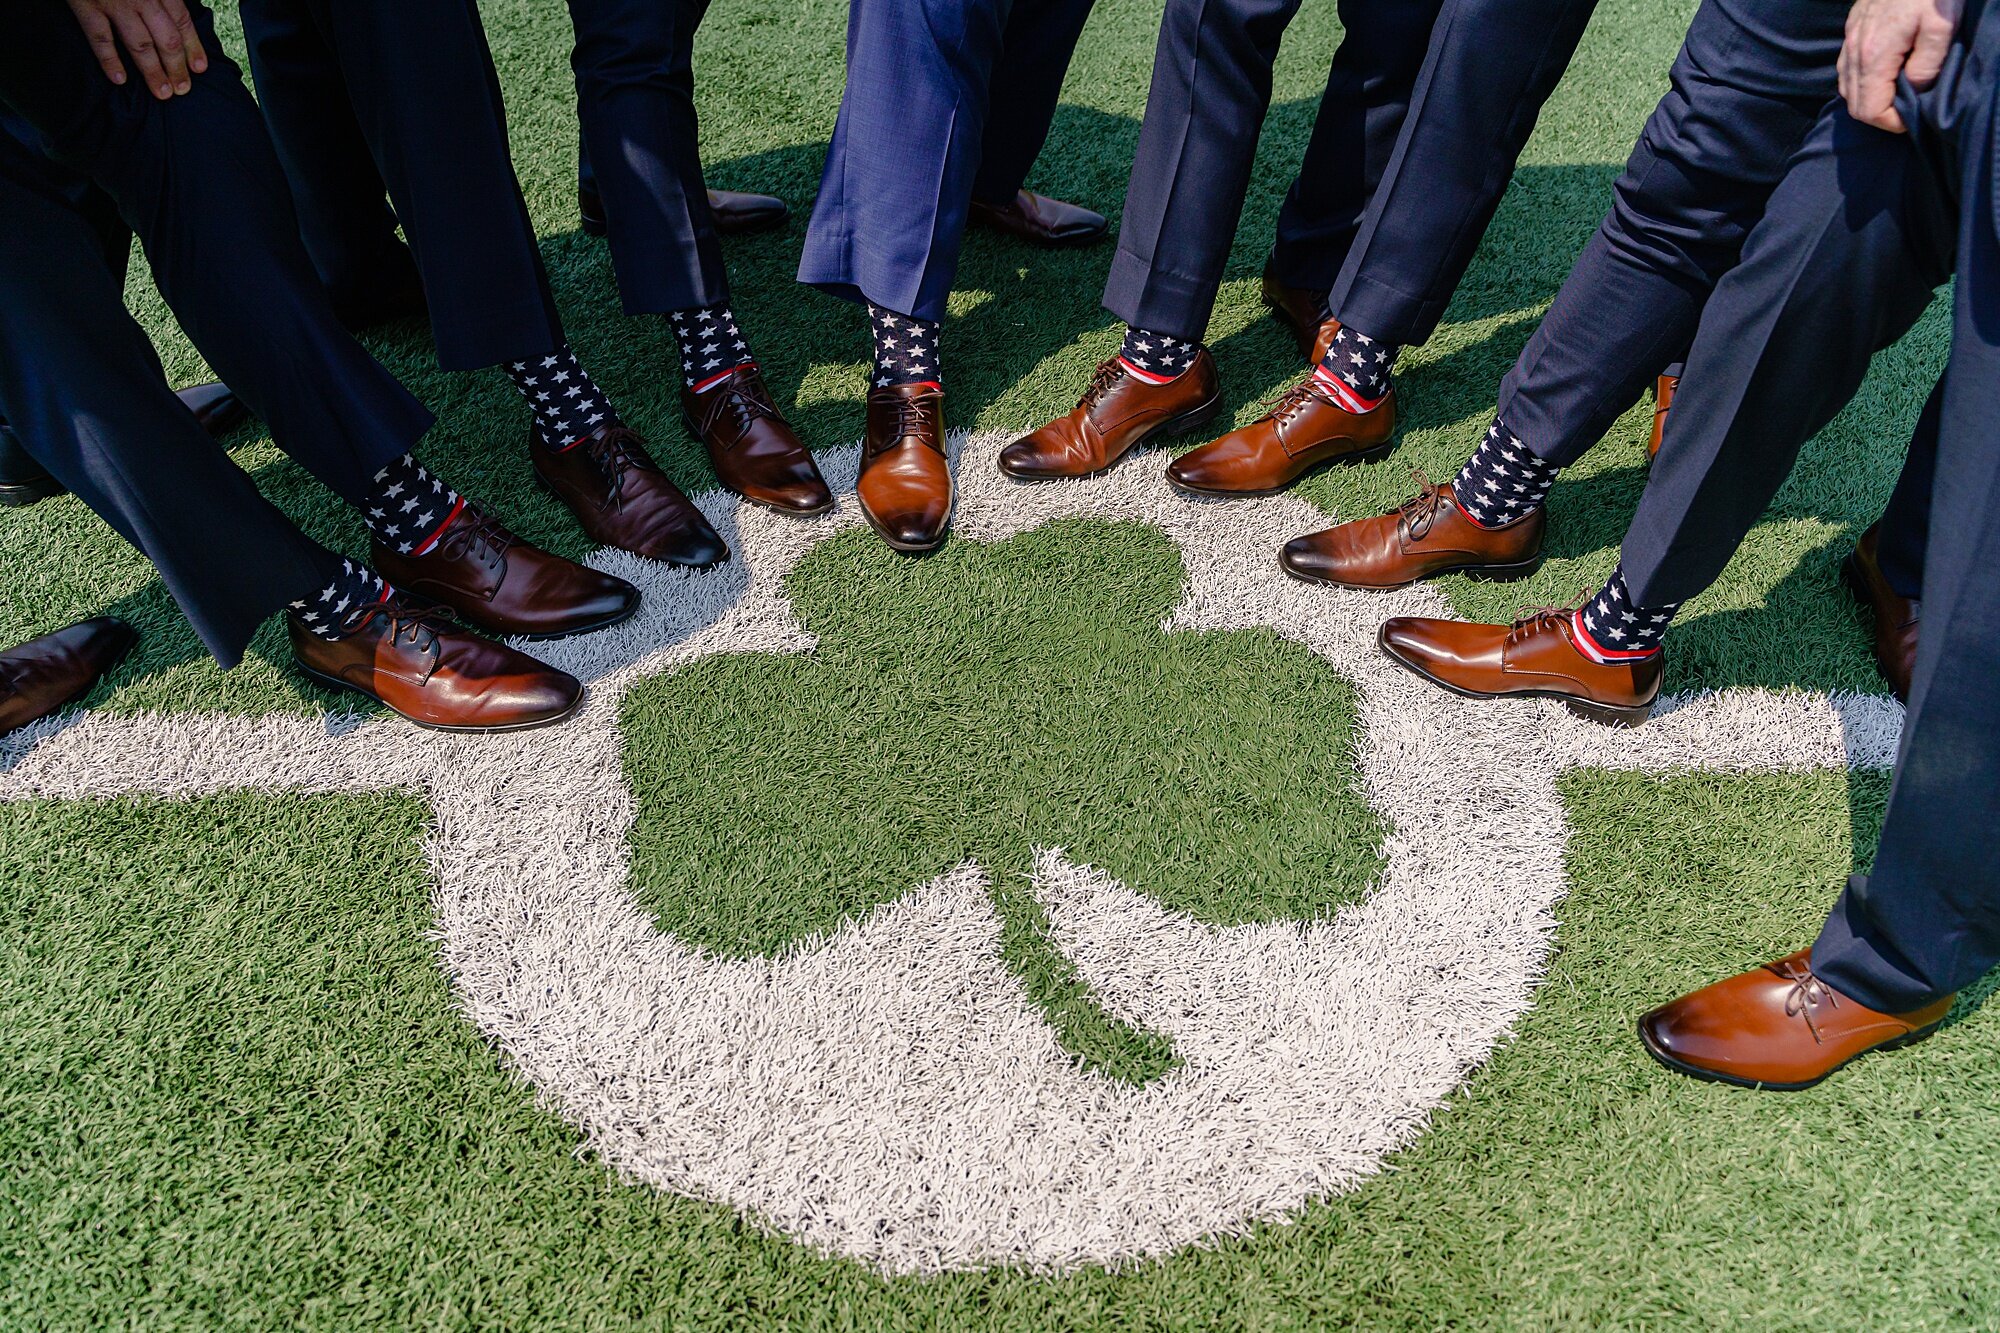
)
(1040, 220)
(1304, 428)
(1896, 616)
(1303, 313)
(1777, 1027)
(1534, 658)
(622, 499)
(1118, 412)
(905, 484)
(435, 672)
(47, 674)
(754, 450)
(1663, 399)
(491, 579)
(1423, 537)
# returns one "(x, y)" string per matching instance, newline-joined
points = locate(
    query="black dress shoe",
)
(216, 408)
(22, 480)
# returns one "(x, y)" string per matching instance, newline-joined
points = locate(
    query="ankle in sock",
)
(1356, 370)
(711, 344)
(906, 348)
(1503, 480)
(1611, 628)
(566, 402)
(1155, 357)
(332, 611)
(407, 507)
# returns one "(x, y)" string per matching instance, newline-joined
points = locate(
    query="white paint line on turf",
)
(888, 1091)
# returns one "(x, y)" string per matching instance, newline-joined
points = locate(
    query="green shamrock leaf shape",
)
(981, 703)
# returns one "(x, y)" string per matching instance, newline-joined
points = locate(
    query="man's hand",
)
(157, 34)
(1890, 37)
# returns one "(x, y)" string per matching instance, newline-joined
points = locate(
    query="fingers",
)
(1927, 54)
(168, 45)
(1871, 57)
(197, 55)
(138, 42)
(103, 42)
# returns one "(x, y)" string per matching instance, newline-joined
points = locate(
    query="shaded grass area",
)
(234, 1092)
(980, 704)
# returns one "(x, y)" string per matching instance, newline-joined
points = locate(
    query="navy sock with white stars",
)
(1610, 628)
(351, 588)
(711, 344)
(1355, 370)
(1155, 357)
(1503, 480)
(906, 348)
(407, 507)
(566, 402)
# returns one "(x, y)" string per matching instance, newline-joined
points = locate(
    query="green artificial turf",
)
(234, 1087)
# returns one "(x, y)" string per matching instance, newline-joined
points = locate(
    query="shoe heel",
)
(1504, 573)
(1610, 715)
(1189, 421)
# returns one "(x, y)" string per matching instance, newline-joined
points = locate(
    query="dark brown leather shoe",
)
(435, 672)
(1303, 429)
(47, 674)
(622, 499)
(1040, 220)
(1895, 615)
(1778, 1027)
(1117, 413)
(1534, 658)
(905, 484)
(1425, 536)
(216, 408)
(731, 212)
(1304, 313)
(754, 450)
(496, 582)
(1663, 398)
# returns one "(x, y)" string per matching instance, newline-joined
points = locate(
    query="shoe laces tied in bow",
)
(477, 535)
(615, 452)
(1532, 620)
(1419, 512)
(1806, 995)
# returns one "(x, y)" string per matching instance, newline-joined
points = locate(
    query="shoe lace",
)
(1107, 374)
(1420, 510)
(1805, 995)
(477, 535)
(615, 452)
(407, 621)
(909, 417)
(1532, 620)
(1292, 401)
(742, 403)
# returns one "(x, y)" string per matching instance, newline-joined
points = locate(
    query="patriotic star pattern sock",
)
(1609, 628)
(1355, 372)
(711, 344)
(1156, 358)
(566, 402)
(407, 507)
(1503, 480)
(906, 348)
(330, 612)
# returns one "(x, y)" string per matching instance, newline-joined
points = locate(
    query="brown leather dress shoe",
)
(1117, 413)
(1040, 220)
(905, 484)
(1895, 615)
(1534, 658)
(494, 581)
(1663, 398)
(1303, 429)
(753, 448)
(54, 671)
(435, 672)
(1425, 536)
(622, 499)
(1778, 1027)
(1303, 312)
(731, 212)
